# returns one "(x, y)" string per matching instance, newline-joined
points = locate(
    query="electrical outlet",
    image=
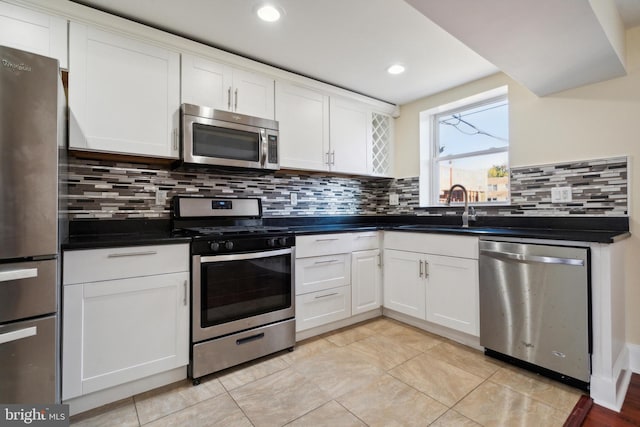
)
(161, 197)
(394, 199)
(293, 198)
(561, 195)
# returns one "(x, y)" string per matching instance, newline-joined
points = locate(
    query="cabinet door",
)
(206, 83)
(253, 94)
(404, 285)
(124, 94)
(121, 330)
(320, 308)
(365, 281)
(303, 116)
(349, 137)
(381, 150)
(452, 293)
(35, 32)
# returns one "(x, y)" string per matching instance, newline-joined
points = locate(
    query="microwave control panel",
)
(273, 148)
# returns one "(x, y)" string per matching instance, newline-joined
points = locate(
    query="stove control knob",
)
(282, 241)
(215, 246)
(271, 242)
(229, 245)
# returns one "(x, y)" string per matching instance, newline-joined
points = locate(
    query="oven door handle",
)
(239, 257)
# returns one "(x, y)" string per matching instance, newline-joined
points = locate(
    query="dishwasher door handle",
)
(532, 258)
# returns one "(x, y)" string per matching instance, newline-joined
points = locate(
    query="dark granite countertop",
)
(95, 234)
(88, 234)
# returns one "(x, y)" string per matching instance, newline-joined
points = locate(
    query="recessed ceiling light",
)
(268, 13)
(396, 69)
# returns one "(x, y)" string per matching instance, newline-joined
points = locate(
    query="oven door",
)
(215, 142)
(236, 292)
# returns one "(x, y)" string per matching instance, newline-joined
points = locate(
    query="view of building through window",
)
(471, 147)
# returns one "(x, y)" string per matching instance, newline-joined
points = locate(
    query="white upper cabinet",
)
(220, 86)
(350, 136)
(380, 155)
(303, 116)
(326, 133)
(35, 32)
(124, 94)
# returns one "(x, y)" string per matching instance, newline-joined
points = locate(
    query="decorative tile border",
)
(113, 190)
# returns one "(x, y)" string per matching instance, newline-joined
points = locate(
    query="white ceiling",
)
(348, 43)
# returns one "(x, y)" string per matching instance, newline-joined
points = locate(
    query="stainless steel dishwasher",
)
(535, 308)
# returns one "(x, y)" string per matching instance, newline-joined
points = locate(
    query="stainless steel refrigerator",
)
(30, 134)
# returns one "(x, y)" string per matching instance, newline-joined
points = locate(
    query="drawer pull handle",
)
(23, 273)
(365, 237)
(249, 339)
(420, 264)
(330, 261)
(126, 254)
(18, 335)
(327, 295)
(327, 240)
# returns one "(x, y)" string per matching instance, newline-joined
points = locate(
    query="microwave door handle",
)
(263, 142)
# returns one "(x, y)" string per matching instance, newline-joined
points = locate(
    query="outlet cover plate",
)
(561, 195)
(394, 199)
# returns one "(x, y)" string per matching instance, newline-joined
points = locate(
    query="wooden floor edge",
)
(580, 411)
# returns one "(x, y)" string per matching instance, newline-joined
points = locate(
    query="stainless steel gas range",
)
(242, 282)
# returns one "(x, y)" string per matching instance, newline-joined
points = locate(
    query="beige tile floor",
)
(377, 373)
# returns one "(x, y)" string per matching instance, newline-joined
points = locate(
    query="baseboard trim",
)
(319, 330)
(84, 403)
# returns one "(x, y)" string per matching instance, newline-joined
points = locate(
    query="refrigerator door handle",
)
(18, 335)
(22, 273)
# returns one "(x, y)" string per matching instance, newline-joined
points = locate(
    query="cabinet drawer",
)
(319, 273)
(323, 244)
(319, 308)
(438, 244)
(364, 241)
(115, 263)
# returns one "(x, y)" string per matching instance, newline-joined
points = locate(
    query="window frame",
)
(429, 160)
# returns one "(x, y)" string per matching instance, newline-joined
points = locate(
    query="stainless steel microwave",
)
(221, 138)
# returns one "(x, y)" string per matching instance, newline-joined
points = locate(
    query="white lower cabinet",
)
(452, 293)
(404, 286)
(127, 328)
(433, 284)
(323, 272)
(323, 279)
(322, 307)
(365, 281)
(337, 276)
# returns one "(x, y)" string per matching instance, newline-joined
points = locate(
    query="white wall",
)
(594, 121)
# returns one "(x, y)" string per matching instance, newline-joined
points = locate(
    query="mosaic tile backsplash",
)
(111, 190)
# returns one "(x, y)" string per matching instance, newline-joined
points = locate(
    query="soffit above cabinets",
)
(347, 43)
(546, 45)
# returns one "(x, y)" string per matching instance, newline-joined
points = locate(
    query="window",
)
(467, 143)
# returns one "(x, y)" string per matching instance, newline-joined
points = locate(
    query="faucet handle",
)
(472, 213)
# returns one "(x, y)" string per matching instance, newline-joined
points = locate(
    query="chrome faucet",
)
(465, 215)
